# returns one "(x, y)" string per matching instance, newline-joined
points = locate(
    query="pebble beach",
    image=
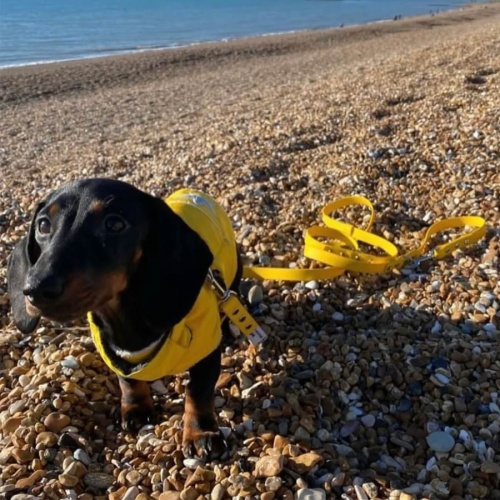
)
(368, 387)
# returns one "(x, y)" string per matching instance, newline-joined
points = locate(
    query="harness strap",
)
(337, 246)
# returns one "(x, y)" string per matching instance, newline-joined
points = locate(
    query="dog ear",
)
(24, 255)
(172, 269)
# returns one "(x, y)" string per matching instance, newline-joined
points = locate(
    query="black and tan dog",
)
(138, 266)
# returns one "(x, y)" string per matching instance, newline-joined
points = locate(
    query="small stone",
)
(98, 480)
(440, 441)
(440, 488)
(268, 466)
(301, 434)
(436, 328)
(268, 495)
(189, 493)
(134, 478)
(338, 479)
(305, 462)
(32, 479)
(273, 483)
(200, 475)
(310, 494)
(368, 420)
(324, 435)
(255, 295)
(170, 495)
(82, 456)
(192, 463)
(56, 421)
(23, 455)
(218, 492)
(338, 316)
(317, 307)
(360, 492)
(11, 424)
(76, 468)
(68, 481)
(131, 493)
(489, 467)
(349, 428)
(407, 496)
(371, 489)
(70, 362)
(48, 439)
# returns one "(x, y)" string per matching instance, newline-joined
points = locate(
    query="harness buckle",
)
(231, 306)
(221, 291)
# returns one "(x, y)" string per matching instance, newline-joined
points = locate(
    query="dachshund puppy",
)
(137, 265)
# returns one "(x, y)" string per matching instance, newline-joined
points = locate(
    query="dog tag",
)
(238, 314)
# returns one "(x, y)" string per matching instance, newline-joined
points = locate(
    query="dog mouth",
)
(63, 310)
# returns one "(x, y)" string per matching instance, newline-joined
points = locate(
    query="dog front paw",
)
(135, 416)
(204, 445)
(137, 407)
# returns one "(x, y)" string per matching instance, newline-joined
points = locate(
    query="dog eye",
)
(44, 226)
(115, 224)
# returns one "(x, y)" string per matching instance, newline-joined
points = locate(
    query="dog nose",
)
(48, 289)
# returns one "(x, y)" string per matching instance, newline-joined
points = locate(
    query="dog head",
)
(87, 241)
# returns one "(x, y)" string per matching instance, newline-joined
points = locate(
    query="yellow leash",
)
(339, 250)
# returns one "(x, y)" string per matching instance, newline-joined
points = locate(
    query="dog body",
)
(137, 265)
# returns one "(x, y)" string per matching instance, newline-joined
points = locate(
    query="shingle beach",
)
(368, 387)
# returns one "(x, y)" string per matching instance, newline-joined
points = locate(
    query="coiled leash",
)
(337, 247)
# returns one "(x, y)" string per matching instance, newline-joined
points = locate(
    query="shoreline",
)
(132, 51)
(74, 74)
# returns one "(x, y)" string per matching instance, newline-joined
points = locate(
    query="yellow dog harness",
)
(199, 333)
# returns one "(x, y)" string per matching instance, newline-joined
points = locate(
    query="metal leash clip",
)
(237, 313)
(423, 258)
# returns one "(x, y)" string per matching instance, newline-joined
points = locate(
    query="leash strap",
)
(336, 246)
(231, 306)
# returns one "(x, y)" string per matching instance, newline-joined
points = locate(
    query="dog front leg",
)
(136, 404)
(202, 436)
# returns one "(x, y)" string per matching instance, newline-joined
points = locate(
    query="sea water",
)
(34, 31)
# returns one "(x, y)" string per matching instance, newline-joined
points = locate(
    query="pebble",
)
(98, 480)
(441, 442)
(68, 481)
(131, 493)
(218, 492)
(55, 422)
(191, 463)
(269, 466)
(310, 494)
(255, 295)
(273, 483)
(82, 456)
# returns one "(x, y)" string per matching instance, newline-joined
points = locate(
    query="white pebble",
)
(192, 463)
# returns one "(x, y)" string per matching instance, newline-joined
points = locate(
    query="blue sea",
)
(35, 31)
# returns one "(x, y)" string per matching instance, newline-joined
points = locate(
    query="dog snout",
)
(45, 290)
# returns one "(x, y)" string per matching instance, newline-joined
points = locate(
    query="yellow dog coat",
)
(199, 333)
